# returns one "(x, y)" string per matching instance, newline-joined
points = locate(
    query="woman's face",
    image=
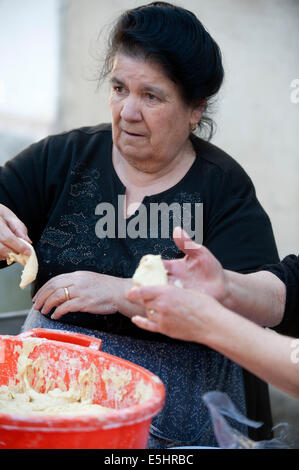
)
(150, 121)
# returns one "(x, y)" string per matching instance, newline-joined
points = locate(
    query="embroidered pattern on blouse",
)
(73, 239)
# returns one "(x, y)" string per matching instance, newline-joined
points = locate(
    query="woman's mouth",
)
(132, 134)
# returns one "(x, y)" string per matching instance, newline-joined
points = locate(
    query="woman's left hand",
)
(88, 292)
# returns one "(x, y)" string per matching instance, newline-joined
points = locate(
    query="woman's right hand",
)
(11, 227)
(199, 270)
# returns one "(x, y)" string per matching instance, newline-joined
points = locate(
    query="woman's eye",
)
(118, 89)
(151, 97)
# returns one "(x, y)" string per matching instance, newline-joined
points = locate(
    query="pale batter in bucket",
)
(22, 398)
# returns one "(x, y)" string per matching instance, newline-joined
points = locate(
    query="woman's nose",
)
(131, 110)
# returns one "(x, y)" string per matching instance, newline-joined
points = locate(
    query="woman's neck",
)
(153, 176)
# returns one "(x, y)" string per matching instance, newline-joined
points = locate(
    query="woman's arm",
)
(258, 296)
(200, 318)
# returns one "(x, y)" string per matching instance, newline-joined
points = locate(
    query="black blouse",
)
(288, 273)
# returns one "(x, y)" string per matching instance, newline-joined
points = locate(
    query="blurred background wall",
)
(30, 33)
(51, 51)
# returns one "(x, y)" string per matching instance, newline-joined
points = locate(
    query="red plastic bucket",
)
(126, 427)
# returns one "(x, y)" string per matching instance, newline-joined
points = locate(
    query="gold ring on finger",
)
(67, 294)
(152, 315)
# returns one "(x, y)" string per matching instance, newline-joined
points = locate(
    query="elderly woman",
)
(62, 189)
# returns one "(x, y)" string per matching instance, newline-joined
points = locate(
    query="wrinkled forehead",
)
(146, 69)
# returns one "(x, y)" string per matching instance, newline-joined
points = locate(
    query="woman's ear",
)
(198, 110)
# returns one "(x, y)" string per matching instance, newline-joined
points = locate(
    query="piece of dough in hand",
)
(30, 264)
(150, 272)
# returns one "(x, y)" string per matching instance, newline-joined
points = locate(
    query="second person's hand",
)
(186, 317)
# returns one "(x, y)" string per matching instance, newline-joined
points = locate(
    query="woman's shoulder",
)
(212, 154)
(72, 145)
(88, 130)
(58, 153)
(100, 131)
(72, 137)
(220, 166)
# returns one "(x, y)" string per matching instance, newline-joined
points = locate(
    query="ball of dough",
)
(150, 272)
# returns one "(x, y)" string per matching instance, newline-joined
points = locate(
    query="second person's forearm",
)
(270, 356)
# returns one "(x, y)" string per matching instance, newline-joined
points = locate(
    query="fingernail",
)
(24, 236)
(132, 290)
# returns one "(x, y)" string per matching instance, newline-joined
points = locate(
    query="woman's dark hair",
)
(175, 39)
